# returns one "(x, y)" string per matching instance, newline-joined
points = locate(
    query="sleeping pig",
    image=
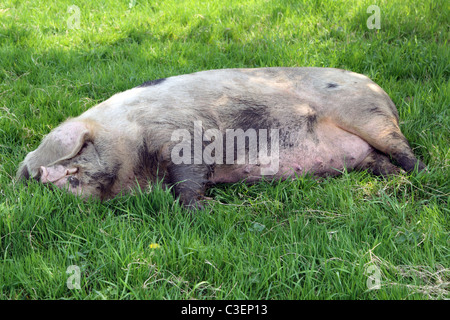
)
(220, 126)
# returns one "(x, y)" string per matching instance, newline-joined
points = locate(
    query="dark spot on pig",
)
(376, 111)
(115, 170)
(332, 85)
(103, 190)
(252, 115)
(74, 182)
(147, 164)
(285, 139)
(311, 123)
(104, 179)
(151, 83)
(87, 174)
(100, 177)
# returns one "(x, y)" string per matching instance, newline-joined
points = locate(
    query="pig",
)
(182, 130)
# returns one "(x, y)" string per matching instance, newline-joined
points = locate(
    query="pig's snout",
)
(54, 174)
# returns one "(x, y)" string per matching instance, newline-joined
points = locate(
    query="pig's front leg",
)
(189, 183)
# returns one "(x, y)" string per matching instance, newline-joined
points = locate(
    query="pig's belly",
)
(327, 152)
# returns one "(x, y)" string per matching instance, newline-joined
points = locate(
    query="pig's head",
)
(74, 157)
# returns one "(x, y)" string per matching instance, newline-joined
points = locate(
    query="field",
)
(355, 236)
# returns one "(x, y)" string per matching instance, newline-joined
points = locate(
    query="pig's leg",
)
(393, 143)
(189, 183)
(378, 164)
(380, 129)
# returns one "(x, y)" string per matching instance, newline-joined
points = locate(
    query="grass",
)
(301, 239)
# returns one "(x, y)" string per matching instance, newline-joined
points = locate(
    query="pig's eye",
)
(73, 181)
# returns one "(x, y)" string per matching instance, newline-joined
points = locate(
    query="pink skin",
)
(69, 134)
(56, 175)
(337, 149)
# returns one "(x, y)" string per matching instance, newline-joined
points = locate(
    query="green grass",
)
(301, 239)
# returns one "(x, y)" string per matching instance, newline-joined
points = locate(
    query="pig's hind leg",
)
(378, 126)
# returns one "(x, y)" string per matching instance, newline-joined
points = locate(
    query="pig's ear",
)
(69, 139)
(62, 143)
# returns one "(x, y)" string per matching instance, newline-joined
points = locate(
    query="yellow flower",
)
(154, 246)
